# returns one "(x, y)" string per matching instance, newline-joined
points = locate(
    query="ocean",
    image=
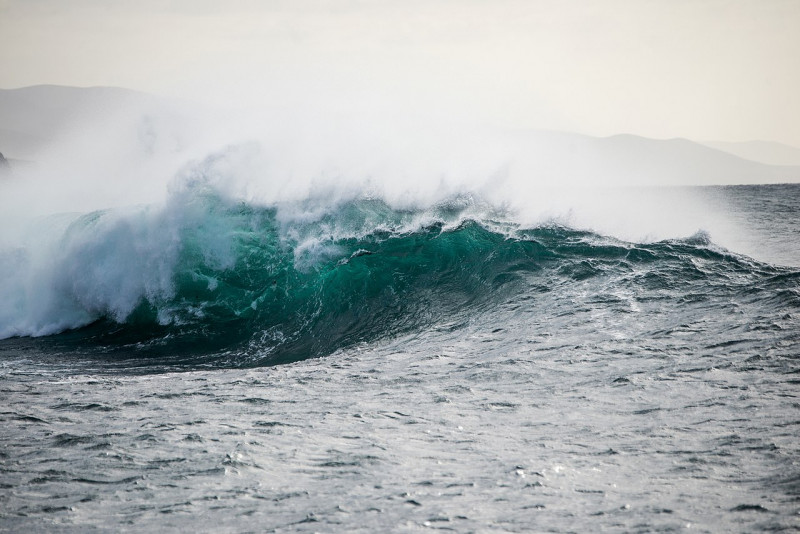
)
(360, 365)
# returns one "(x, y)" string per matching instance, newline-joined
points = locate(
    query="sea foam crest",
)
(70, 270)
(102, 264)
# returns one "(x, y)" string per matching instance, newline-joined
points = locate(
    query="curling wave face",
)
(207, 280)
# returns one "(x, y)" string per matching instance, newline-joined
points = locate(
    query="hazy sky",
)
(708, 70)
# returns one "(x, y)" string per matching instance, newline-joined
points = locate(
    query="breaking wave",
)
(228, 274)
(206, 278)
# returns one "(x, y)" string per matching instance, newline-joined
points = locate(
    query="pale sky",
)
(724, 70)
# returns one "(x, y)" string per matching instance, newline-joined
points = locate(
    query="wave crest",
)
(206, 274)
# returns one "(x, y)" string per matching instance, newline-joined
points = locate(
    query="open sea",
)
(216, 365)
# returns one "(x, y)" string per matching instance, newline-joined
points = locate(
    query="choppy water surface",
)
(487, 378)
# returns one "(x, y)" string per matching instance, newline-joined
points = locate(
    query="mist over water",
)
(145, 152)
(102, 219)
(97, 223)
(322, 321)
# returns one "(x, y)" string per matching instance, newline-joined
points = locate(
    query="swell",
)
(208, 281)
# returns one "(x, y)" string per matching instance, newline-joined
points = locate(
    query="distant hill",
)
(767, 152)
(559, 157)
(33, 118)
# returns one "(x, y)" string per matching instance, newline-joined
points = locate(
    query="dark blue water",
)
(215, 365)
